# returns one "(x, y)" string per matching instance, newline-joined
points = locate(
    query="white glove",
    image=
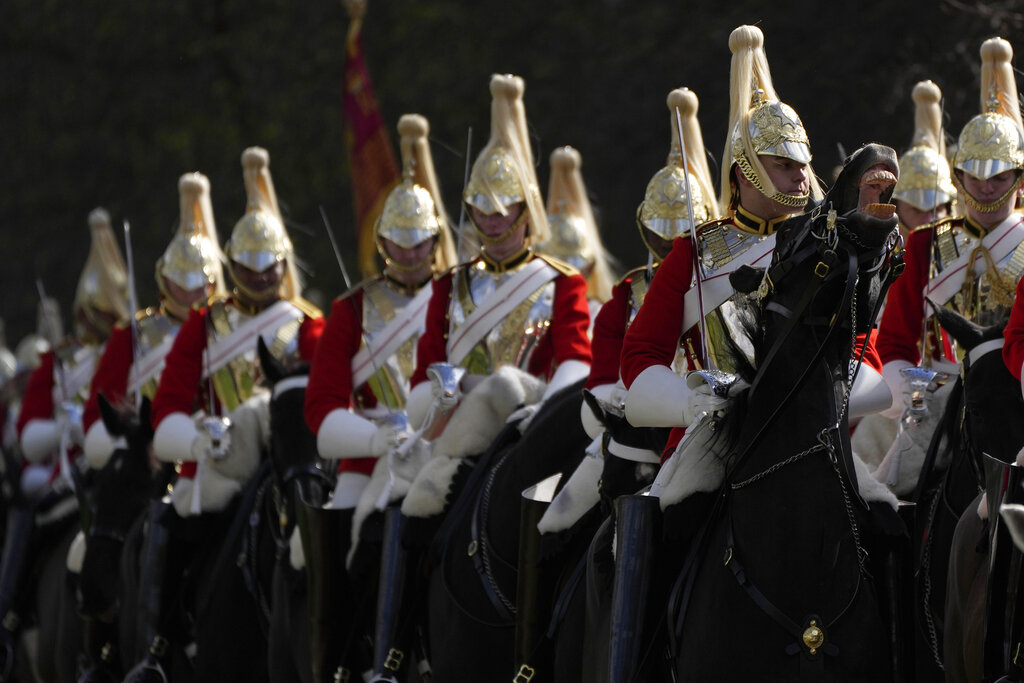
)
(384, 439)
(69, 421)
(700, 401)
(213, 440)
(524, 416)
(35, 481)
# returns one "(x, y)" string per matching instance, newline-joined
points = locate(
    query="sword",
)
(462, 205)
(703, 354)
(926, 357)
(133, 306)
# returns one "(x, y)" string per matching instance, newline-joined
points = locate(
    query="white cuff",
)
(174, 437)
(605, 393)
(870, 393)
(418, 404)
(39, 439)
(656, 398)
(100, 445)
(568, 373)
(893, 378)
(343, 434)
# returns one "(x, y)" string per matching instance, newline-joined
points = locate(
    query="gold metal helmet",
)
(760, 124)
(414, 211)
(28, 352)
(993, 142)
(925, 181)
(574, 235)
(193, 258)
(503, 174)
(259, 239)
(102, 293)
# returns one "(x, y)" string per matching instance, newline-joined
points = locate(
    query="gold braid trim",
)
(991, 206)
(789, 200)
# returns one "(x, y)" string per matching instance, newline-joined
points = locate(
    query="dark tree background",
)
(107, 103)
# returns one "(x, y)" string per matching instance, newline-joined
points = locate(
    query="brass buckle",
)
(159, 646)
(394, 659)
(525, 674)
(471, 549)
(821, 270)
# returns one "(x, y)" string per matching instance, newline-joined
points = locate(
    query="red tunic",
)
(609, 330)
(565, 340)
(1013, 335)
(653, 336)
(330, 377)
(181, 389)
(37, 402)
(111, 376)
(899, 333)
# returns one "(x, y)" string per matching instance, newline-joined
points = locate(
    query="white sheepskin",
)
(296, 555)
(222, 480)
(577, 496)
(872, 490)
(692, 468)
(76, 553)
(473, 426)
(873, 437)
(901, 466)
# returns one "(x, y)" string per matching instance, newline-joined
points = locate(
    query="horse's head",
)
(292, 443)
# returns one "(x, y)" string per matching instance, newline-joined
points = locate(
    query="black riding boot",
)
(99, 639)
(636, 520)
(152, 595)
(326, 537)
(20, 523)
(389, 648)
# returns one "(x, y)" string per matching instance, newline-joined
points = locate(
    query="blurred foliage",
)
(107, 103)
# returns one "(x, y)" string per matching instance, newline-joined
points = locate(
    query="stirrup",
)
(149, 670)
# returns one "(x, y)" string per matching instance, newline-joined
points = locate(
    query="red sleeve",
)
(609, 329)
(111, 376)
(431, 346)
(309, 336)
(899, 333)
(569, 324)
(37, 402)
(330, 377)
(179, 381)
(653, 335)
(871, 356)
(1013, 349)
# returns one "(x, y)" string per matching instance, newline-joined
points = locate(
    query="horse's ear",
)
(595, 406)
(111, 419)
(966, 333)
(273, 370)
(145, 411)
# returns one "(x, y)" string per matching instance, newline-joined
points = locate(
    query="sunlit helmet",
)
(193, 258)
(102, 292)
(925, 181)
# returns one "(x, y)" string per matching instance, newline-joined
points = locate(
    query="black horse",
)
(782, 583)
(472, 599)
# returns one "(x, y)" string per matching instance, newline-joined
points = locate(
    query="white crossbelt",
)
(404, 325)
(503, 301)
(1000, 242)
(150, 364)
(717, 289)
(226, 349)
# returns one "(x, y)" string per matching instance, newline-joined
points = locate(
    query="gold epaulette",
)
(954, 220)
(307, 307)
(217, 298)
(144, 313)
(631, 275)
(713, 223)
(559, 265)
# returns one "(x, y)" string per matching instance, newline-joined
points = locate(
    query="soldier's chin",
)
(880, 210)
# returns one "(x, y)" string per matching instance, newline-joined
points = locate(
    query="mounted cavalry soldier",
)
(359, 380)
(509, 319)
(50, 421)
(768, 180)
(212, 367)
(662, 216)
(188, 273)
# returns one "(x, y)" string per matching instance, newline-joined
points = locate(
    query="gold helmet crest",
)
(102, 292)
(993, 141)
(503, 173)
(760, 124)
(193, 258)
(665, 210)
(574, 235)
(414, 211)
(259, 239)
(925, 181)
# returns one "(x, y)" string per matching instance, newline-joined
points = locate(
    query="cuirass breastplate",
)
(984, 298)
(514, 339)
(390, 380)
(723, 248)
(235, 382)
(73, 370)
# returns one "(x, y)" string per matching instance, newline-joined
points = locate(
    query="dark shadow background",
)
(107, 103)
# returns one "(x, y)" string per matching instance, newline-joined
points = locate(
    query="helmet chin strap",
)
(487, 239)
(790, 201)
(989, 207)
